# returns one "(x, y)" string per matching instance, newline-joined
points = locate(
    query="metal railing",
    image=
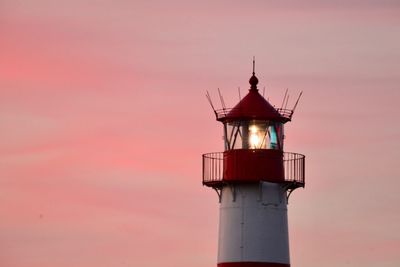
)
(285, 113)
(213, 167)
(294, 166)
(221, 113)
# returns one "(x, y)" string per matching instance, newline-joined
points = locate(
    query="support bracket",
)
(219, 193)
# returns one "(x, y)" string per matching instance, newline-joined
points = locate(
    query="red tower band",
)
(253, 178)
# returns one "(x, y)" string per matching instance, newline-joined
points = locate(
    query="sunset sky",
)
(103, 121)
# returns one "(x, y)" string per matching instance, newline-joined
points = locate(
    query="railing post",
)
(203, 168)
(303, 171)
(295, 163)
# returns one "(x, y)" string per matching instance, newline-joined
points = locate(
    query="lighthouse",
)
(253, 178)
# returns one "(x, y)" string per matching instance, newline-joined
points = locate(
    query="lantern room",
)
(253, 123)
(253, 144)
(253, 134)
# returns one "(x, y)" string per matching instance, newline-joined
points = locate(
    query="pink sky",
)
(103, 122)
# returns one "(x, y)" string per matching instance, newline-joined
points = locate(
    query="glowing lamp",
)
(254, 138)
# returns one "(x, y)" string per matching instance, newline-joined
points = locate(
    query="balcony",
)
(215, 174)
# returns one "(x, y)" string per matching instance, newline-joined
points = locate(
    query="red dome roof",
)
(253, 107)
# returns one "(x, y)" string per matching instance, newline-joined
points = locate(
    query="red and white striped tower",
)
(253, 178)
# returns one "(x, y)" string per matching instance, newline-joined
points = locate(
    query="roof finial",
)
(254, 65)
(253, 80)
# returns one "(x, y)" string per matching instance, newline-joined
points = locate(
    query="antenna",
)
(254, 65)
(287, 100)
(284, 98)
(295, 105)
(240, 97)
(210, 101)
(222, 100)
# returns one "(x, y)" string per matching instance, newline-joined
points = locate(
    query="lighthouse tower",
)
(253, 178)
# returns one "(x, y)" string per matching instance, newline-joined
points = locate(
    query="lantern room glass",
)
(254, 134)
